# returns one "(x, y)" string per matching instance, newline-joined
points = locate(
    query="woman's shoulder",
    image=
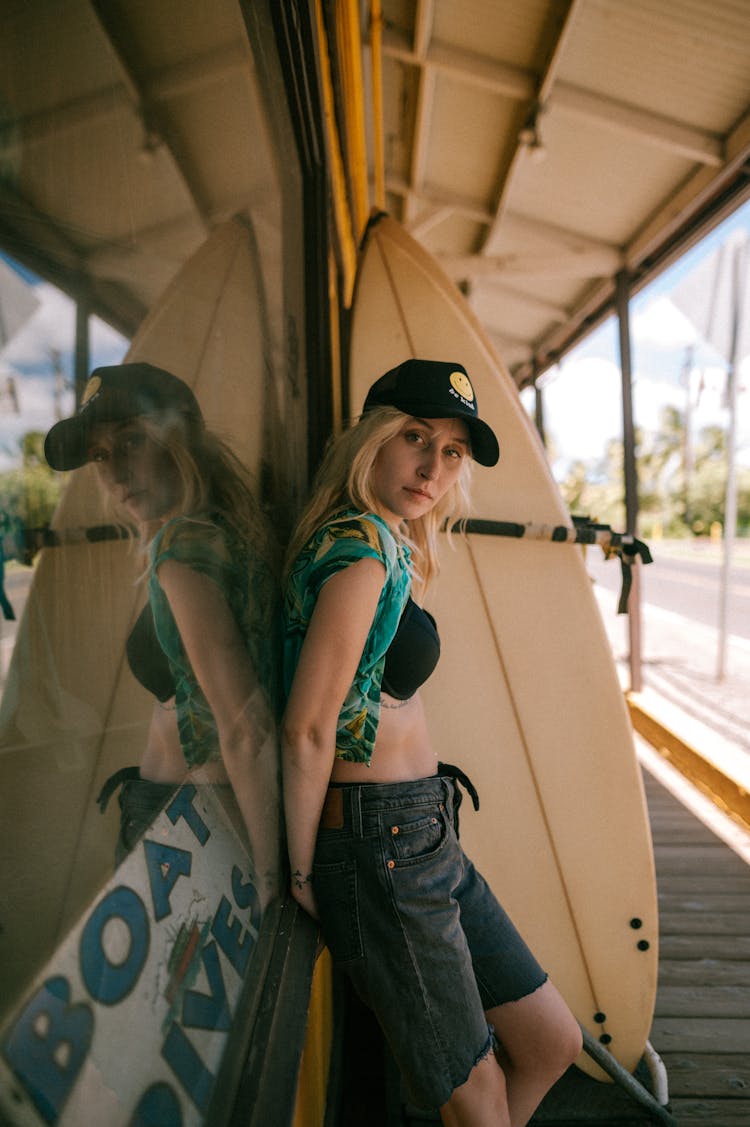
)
(360, 528)
(342, 539)
(193, 535)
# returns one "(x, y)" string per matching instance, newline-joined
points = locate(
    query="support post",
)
(81, 360)
(539, 411)
(631, 474)
(739, 277)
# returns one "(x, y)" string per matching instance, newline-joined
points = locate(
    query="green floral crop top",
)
(210, 546)
(346, 538)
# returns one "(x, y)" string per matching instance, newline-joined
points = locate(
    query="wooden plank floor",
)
(702, 1025)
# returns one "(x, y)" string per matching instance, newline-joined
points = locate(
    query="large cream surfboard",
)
(525, 698)
(72, 713)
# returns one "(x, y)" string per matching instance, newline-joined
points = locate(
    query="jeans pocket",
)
(335, 888)
(415, 839)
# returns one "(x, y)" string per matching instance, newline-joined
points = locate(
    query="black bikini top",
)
(409, 660)
(413, 653)
(147, 659)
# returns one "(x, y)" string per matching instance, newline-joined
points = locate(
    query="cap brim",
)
(485, 448)
(66, 443)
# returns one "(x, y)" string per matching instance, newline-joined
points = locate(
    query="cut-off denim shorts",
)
(416, 928)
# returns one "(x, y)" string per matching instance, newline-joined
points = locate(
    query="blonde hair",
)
(212, 479)
(344, 479)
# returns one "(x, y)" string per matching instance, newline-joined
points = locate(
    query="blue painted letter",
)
(165, 865)
(157, 1107)
(181, 806)
(48, 1044)
(188, 1067)
(105, 981)
(233, 940)
(208, 1011)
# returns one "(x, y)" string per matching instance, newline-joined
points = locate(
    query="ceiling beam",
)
(425, 103)
(35, 241)
(428, 219)
(442, 204)
(559, 33)
(686, 218)
(423, 23)
(520, 85)
(683, 140)
(586, 263)
(452, 201)
(156, 122)
(537, 305)
(467, 66)
(197, 74)
(694, 194)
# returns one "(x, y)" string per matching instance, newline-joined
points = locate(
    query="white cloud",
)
(582, 407)
(52, 326)
(29, 358)
(660, 322)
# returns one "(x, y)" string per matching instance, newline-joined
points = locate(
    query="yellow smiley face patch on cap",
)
(461, 383)
(91, 389)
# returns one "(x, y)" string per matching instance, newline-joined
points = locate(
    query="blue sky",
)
(31, 357)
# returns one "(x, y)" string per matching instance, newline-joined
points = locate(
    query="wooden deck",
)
(702, 1024)
(701, 1027)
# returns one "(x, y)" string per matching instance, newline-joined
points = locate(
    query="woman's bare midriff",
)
(163, 760)
(403, 750)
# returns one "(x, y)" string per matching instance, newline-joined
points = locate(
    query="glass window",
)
(151, 215)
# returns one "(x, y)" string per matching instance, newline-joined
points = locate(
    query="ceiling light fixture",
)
(530, 136)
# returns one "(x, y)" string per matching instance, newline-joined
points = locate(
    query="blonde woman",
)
(472, 1020)
(204, 642)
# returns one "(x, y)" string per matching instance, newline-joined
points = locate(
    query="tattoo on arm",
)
(300, 880)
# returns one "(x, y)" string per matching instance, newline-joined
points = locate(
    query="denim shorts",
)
(416, 928)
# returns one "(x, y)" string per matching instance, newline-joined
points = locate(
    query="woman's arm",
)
(246, 728)
(327, 665)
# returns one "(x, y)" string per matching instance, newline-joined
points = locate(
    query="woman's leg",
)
(539, 1039)
(481, 1101)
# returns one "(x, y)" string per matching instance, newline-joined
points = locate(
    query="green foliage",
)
(29, 494)
(681, 491)
(597, 490)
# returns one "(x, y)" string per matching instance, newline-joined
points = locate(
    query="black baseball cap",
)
(436, 389)
(115, 393)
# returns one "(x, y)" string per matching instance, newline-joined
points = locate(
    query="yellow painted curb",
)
(725, 791)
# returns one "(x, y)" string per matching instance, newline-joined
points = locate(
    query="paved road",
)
(687, 583)
(680, 640)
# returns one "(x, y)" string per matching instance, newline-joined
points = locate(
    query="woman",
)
(204, 642)
(473, 1022)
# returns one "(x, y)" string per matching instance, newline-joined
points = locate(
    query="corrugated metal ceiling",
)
(536, 147)
(557, 143)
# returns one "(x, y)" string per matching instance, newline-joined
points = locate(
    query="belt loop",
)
(355, 799)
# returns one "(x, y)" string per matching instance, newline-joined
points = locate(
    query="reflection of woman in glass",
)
(474, 1024)
(204, 642)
